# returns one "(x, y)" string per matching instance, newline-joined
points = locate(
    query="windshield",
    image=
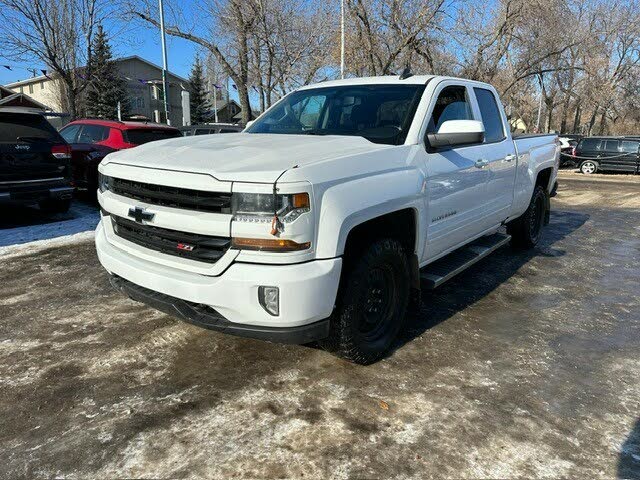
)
(379, 113)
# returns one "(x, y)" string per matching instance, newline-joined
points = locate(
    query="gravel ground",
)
(526, 365)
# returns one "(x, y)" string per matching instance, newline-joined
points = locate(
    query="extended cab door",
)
(499, 152)
(456, 190)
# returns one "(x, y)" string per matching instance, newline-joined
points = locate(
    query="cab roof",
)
(385, 80)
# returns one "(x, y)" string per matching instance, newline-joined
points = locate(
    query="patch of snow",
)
(28, 230)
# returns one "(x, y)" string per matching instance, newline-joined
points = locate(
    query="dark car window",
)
(70, 133)
(452, 104)
(27, 126)
(228, 130)
(630, 147)
(611, 145)
(203, 131)
(490, 115)
(589, 144)
(146, 135)
(93, 134)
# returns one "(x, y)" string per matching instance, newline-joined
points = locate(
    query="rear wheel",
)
(372, 303)
(588, 167)
(55, 206)
(526, 230)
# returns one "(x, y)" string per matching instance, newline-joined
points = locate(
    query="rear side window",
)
(70, 133)
(611, 145)
(589, 144)
(630, 147)
(14, 126)
(142, 136)
(452, 104)
(490, 115)
(93, 134)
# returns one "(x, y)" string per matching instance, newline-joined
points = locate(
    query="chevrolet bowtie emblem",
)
(139, 214)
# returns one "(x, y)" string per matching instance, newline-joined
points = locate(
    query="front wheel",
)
(371, 304)
(588, 167)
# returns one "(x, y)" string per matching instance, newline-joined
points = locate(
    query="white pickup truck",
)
(325, 217)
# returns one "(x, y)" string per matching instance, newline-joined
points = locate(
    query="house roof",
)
(121, 59)
(9, 98)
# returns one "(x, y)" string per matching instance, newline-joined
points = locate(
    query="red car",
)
(91, 140)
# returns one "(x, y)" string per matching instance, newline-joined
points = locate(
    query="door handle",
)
(481, 163)
(510, 158)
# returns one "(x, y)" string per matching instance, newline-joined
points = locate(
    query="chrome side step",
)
(438, 272)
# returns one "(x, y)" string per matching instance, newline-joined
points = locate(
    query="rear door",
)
(499, 151)
(610, 157)
(87, 150)
(26, 143)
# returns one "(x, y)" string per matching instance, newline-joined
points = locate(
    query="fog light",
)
(269, 298)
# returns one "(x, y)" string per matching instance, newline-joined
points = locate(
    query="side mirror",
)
(249, 123)
(457, 132)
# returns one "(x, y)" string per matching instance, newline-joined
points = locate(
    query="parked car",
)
(34, 162)
(319, 221)
(568, 144)
(91, 140)
(207, 129)
(609, 154)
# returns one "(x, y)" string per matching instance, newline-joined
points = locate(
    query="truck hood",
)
(242, 157)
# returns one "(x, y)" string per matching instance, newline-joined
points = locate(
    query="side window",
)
(70, 133)
(494, 132)
(630, 147)
(611, 145)
(452, 104)
(93, 134)
(589, 144)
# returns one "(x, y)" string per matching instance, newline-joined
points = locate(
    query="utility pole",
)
(165, 83)
(341, 38)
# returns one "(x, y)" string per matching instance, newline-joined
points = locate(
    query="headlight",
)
(104, 182)
(260, 207)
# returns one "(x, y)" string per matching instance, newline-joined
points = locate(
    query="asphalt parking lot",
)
(526, 365)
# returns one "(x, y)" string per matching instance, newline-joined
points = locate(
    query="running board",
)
(438, 272)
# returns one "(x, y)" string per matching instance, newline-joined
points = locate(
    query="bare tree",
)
(57, 33)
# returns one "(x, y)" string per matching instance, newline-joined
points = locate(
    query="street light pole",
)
(341, 38)
(165, 83)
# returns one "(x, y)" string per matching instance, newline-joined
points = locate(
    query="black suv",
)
(615, 154)
(35, 162)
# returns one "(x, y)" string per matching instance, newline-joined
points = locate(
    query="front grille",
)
(203, 248)
(184, 198)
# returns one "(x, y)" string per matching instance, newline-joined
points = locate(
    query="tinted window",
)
(141, 136)
(611, 145)
(490, 115)
(14, 125)
(226, 130)
(630, 147)
(70, 133)
(589, 144)
(379, 113)
(93, 134)
(452, 104)
(203, 131)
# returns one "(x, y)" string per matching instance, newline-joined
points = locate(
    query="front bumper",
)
(307, 293)
(32, 192)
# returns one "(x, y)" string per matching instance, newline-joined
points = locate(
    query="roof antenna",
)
(406, 73)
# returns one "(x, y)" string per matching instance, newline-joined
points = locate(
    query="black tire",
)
(372, 303)
(589, 167)
(55, 206)
(526, 230)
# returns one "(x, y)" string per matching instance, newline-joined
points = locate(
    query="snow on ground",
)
(25, 229)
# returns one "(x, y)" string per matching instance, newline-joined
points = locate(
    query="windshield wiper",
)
(313, 132)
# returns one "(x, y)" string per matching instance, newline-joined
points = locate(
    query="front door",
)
(456, 178)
